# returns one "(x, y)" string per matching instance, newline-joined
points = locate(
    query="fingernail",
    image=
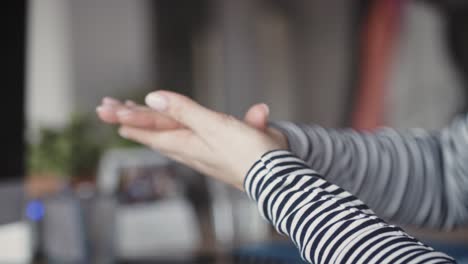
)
(156, 101)
(266, 108)
(124, 112)
(110, 101)
(103, 108)
(123, 133)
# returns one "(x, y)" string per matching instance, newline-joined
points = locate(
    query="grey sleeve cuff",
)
(298, 142)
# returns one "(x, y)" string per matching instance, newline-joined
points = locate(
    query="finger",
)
(133, 105)
(257, 116)
(184, 110)
(110, 101)
(146, 118)
(178, 145)
(174, 141)
(132, 114)
(107, 113)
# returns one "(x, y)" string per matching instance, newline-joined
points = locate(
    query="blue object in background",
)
(35, 210)
(457, 251)
(274, 252)
(286, 252)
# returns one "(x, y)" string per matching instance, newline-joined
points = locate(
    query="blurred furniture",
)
(168, 228)
(63, 230)
(16, 236)
(17, 243)
(163, 228)
(235, 218)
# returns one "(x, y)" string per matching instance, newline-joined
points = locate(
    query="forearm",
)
(326, 223)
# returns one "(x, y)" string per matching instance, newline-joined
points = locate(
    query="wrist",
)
(278, 137)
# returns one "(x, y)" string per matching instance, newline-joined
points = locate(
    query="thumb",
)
(183, 109)
(257, 116)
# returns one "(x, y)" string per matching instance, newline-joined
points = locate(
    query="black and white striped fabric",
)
(325, 222)
(409, 177)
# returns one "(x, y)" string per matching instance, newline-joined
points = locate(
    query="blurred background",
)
(72, 191)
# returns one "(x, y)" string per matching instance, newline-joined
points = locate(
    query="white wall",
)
(112, 49)
(79, 51)
(49, 64)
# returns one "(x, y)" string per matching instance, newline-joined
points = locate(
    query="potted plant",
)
(63, 155)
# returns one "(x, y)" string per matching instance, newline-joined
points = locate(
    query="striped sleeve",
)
(326, 223)
(392, 171)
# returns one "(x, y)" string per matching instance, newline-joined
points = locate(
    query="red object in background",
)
(377, 43)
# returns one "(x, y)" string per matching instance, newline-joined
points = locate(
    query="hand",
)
(210, 142)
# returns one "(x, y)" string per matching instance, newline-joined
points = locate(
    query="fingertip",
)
(156, 100)
(106, 113)
(123, 132)
(265, 108)
(110, 101)
(257, 116)
(102, 109)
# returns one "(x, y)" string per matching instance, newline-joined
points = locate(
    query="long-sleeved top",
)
(327, 223)
(415, 177)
